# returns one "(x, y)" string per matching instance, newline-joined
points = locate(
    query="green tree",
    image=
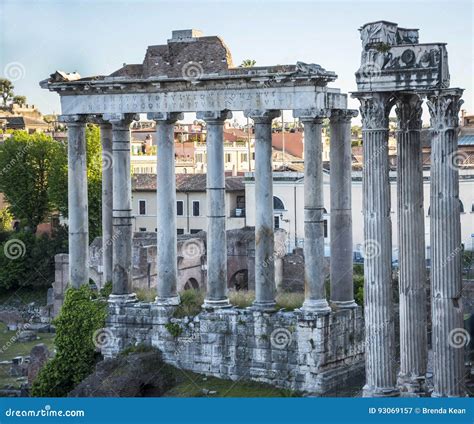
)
(6, 90)
(58, 180)
(25, 164)
(248, 63)
(19, 100)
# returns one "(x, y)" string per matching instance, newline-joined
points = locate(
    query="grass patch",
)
(241, 298)
(10, 348)
(145, 295)
(290, 301)
(191, 303)
(190, 384)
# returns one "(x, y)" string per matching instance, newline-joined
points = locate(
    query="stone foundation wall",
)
(294, 350)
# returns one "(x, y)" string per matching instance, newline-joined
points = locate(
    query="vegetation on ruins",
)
(81, 316)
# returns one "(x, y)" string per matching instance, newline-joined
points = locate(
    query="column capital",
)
(311, 115)
(120, 119)
(166, 117)
(342, 115)
(374, 109)
(408, 110)
(73, 119)
(444, 108)
(214, 116)
(99, 120)
(262, 116)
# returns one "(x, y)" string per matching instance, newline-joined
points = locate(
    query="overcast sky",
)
(96, 37)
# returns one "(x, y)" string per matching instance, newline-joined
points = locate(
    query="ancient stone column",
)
(107, 199)
(315, 293)
(411, 244)
(264, 237)
(166, 261)
(216, 295)
(379, 318)
(122, 209)
(340, 155)
(446, 248)
(78, 217)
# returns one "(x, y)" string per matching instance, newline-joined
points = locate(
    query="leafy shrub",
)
(27, 260)
(191, 303)
(81, 315)
(174, 329)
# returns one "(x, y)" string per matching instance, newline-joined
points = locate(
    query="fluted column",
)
(315, 293)
(446, 248)
(167, 265)
(411, 244)
(216, 295)
(78, 217)
(379, 321)
(340, 155)
(107, 199)
(122, 209)
(264, 237)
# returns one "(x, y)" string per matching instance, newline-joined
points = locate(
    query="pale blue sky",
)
(97, 36)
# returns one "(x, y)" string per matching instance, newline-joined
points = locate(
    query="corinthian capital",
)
(343, 115)
(444, 108)
(374, 110)
(214, 116)
(409, 111)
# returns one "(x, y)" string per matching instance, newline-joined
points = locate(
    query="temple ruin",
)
(320, 347)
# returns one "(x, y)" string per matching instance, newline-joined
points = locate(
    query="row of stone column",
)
(117, 209)
(445, 240)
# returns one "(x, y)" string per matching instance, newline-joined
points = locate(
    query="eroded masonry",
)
(320, 347)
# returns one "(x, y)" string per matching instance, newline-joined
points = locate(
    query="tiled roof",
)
(184, 183)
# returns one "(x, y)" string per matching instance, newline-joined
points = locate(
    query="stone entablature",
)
(317, 354)
(392, 59)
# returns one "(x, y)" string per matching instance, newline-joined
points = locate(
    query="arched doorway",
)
(191, 284)
(240, 280)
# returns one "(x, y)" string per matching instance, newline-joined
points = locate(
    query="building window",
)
(179, 208)
(325, 223)
(143, 229)
(199, 157)
(240, 203)
(196, 208)
(142, 207)
(278, 204)
(227, 157)
(243, 157)
(180, 231)
(253, 155)
(194, 231)
(472, 207)
(276, 222)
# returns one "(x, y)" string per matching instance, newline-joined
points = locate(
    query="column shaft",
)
(411, 240)
(78, 220)
(122, 209)
(446, 248)
(167, 261)
(264, 221)
(340, 154)
(379, 317)
(107, 200)
(216, 295)
(315, 291)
